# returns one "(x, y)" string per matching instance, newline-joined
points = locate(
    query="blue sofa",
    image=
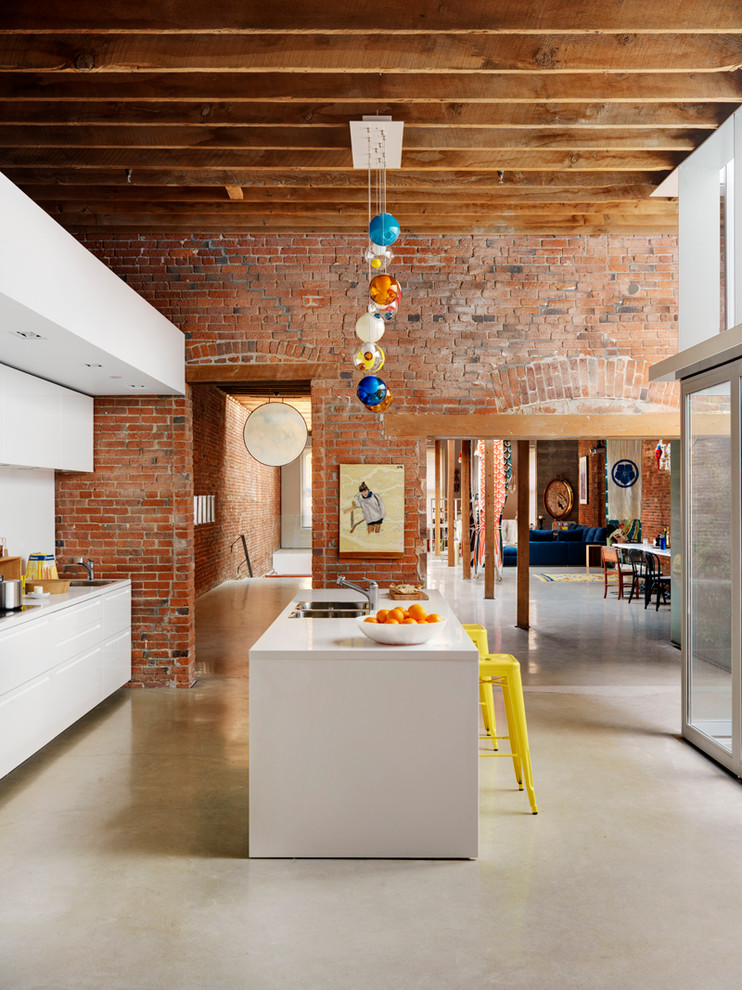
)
(563, 548)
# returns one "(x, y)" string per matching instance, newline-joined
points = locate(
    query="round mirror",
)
(275, 434)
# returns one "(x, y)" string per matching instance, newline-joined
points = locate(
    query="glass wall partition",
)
(711, 639)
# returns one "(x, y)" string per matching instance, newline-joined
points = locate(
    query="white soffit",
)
(84, 314)
(668, 187)
(376, 142)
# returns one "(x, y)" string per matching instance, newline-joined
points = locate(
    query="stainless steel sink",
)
(329, 610)
(95, 583)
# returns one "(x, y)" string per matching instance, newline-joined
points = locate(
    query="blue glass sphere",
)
(383, 229)
(371, 390)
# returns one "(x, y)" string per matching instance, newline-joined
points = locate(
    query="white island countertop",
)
(34, 608)
(359, 749)
(341, 639)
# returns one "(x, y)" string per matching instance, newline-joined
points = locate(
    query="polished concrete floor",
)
(123, 845)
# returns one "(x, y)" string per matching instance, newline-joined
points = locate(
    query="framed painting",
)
(583, 481)
(371, 510)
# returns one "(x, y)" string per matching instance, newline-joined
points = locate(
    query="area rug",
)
(569, 577)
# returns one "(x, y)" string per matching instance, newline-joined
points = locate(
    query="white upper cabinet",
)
(43, 425)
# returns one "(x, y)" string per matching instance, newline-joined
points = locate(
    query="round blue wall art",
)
(625, 473)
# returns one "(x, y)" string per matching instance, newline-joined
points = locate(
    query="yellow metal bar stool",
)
(478, 636)
(504, 670)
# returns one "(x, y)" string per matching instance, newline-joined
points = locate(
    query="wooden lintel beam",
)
(535, 426)
(274, 372)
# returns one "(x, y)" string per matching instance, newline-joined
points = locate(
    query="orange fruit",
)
(434, 617)
(416, 611)
(370, 619)
(382, 615)
(392, 622)
(398, 614)
(409, 621)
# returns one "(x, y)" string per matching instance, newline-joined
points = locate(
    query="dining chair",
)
(655, 580)
(638, 573)
(611, 569)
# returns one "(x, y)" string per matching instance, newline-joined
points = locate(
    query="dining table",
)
(664, 552)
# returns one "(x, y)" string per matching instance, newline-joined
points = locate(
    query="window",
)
(306, 487)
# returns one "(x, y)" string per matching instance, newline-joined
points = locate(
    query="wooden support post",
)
(437, 503)
(451, 505)
(489, 519)
(524, 459)
(465, 508)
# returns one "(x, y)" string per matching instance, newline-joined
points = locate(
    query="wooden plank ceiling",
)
(521, 117)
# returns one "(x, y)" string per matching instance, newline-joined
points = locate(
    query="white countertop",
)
(44, 606)
(341, 639)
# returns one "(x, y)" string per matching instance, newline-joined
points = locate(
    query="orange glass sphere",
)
(384, 290)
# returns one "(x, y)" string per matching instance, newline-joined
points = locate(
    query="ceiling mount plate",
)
(376, 142)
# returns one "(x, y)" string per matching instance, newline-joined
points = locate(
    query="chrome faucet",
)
(372, 592)
(89, 567)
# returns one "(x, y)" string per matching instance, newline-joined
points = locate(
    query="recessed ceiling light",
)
(29, 335)
(136, 386)
(89, 365)
(115, 378)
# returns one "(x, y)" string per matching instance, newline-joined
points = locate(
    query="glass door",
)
(711, 638)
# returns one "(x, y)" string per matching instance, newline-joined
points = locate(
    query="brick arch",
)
(583, 384)
(247, 351)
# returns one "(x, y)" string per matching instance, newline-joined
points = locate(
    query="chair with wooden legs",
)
(503, 670)
(611, 570)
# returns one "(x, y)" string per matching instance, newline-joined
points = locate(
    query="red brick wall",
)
(567, 324)
(134, 517)
(656, 500)
(248, 494)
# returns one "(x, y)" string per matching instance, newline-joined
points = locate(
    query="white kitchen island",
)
(363, 750)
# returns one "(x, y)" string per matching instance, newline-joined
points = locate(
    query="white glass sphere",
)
(370, 327)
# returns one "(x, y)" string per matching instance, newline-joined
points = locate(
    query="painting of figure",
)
(371, 510)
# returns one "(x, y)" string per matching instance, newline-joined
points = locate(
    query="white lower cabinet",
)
(57, 667)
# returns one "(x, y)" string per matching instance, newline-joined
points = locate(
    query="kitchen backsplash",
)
(27, 510)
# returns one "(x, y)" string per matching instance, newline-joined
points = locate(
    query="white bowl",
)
(401, 634)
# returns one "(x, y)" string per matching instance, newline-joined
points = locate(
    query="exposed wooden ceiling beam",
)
(259, 178)
(84, 16)
(336, 138)
(636, 194)
(406, 213)
(626, 115)
(235, 158)
(340, 87)
(205, 226)
(384, 52)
